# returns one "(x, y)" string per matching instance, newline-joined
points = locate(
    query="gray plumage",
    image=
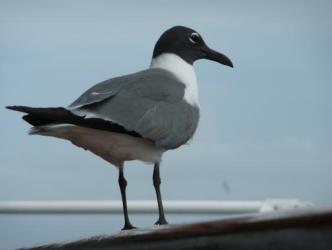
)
(149, 102)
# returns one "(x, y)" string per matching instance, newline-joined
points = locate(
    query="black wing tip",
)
(16, 108)
(10, 107)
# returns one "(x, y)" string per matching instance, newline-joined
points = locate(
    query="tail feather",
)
(35, 130)
(45, 116)
(51, 129)
(31, 118)
(42, 116)
(36, 120)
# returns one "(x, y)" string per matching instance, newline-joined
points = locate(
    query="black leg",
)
(123, 185)
(156, 184)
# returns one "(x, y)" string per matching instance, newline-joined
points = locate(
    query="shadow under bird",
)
(137, 116)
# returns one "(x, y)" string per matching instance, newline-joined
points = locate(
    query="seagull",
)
(138, 116)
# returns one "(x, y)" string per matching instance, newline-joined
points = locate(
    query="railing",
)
(304, 229)
(144, 207)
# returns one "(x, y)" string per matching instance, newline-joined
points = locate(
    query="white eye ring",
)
(194, 38)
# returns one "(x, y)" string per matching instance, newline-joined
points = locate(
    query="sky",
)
(265, 128)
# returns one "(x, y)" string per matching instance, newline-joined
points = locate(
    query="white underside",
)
(183, 71)
(112, 147)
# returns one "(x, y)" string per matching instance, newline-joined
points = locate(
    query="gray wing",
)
(149, 102)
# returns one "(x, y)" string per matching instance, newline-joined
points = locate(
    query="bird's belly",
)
(113, 147)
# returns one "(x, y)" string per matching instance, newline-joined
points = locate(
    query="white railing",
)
(105, 207)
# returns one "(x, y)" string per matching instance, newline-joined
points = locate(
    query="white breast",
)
(183, 71)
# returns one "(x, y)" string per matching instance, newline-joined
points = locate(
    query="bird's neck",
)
(182, 70)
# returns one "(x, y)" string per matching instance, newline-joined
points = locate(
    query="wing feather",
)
(149, 103)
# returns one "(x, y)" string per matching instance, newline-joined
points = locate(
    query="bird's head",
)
(189, 45)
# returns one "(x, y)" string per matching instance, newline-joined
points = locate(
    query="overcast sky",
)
(265, 129)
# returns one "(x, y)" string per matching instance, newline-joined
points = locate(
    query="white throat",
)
(183, 71)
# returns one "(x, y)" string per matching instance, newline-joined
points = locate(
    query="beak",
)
(213, 55)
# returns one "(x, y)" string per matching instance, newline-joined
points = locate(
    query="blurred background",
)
(265, 129)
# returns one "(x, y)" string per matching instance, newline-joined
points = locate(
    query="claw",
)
(162, 221)
(128, 227)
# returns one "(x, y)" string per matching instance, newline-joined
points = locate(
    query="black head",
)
(189, 45)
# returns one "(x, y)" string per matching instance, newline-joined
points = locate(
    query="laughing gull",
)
(137, 116)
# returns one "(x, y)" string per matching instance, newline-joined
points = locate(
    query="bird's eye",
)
(194, 38)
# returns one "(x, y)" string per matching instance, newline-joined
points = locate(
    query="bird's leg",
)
(156, 184)
(123, 185)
